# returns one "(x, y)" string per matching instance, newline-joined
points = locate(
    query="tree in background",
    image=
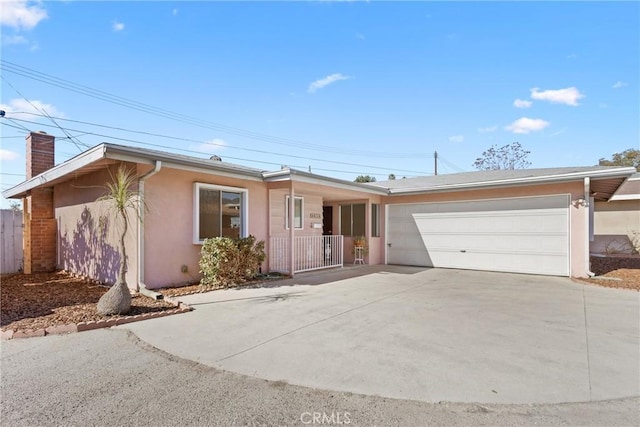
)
(365, 178)
(123, 199)
(511, 156)
(392, 177)
(630, 157)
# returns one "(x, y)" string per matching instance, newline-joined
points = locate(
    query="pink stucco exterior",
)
(89, 232)
(87, 237)
(169, 223)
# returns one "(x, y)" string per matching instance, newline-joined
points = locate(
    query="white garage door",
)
(520, 235)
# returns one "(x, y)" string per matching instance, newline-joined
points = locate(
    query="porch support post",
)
(292, 228)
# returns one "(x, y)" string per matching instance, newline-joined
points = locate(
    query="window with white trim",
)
(219, 212)
(298, 209)
(375, 220)
(352, 219)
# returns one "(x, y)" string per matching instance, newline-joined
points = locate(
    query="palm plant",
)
(122, 198)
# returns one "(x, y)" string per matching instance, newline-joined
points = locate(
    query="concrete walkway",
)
(425, 334)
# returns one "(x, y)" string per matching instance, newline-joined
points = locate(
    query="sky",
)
(343, 88)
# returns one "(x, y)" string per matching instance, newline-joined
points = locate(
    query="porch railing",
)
(311, 253)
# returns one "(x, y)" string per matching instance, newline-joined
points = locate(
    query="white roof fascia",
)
(81, 160)
(625, 197)
(132, 155)
(300, 176)
(611, 173)
(169, 164)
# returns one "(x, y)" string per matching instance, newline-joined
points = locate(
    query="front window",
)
(298, 208)
(352, 219)
(219, 212)
(375, 220)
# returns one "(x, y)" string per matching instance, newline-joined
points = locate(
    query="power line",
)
(222, 146)
(172, 115)
(77, 142)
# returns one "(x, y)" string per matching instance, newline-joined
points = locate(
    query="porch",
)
(309, 253)
(312, 226)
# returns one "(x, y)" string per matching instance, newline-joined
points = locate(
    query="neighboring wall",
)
(577, 213)
(169, 223)
(11, 228)
(89, 231)
(616, 227)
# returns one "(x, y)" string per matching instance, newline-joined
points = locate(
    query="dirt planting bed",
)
(604, 264)
(39, 301)
(616, 271)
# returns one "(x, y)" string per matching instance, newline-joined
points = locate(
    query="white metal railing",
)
(310, 253)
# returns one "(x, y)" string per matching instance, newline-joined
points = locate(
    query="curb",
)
(97, 324)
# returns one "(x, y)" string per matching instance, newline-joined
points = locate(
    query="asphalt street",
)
(111, 378)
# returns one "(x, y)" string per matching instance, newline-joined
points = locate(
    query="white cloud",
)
(210, 147)
(325, 81)
(174, 12)
(16, 39)
(522, 103)
(488, 129)
(117, 26)
(22, 14)
(18, 108)
(568, 96)
(619, 84)
(456, 138)
(13, 39)
(526, 125)
(8, 155)
(360, 36)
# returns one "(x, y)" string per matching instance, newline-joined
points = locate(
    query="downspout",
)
(141, 287)
(587, 226)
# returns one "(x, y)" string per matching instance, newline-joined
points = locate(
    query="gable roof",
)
(605, 180)
(629, 190)
(610, 177)
(104, 154)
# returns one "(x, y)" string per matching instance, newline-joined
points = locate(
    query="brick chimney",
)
(39, 220)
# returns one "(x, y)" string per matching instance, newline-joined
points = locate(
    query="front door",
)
(327, 220)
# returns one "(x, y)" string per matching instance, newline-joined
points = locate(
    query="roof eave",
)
(595, 174)
(311, 178)
(130, 154)
(83, 159)
(125, 154)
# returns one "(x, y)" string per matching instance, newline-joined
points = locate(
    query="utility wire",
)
(172, 115)
(220, 145)
(77, 142)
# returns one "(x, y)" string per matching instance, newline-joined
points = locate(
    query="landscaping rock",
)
(117, 300)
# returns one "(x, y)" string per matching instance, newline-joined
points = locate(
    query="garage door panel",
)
(528, 235)
(478, 242)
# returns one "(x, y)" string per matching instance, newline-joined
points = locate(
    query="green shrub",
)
(226, 262)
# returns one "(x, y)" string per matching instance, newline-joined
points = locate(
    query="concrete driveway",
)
(425, 334)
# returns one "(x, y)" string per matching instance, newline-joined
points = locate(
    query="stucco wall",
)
(89, 231)
(169, 231)
(312, 213)
(578, 234)
(616, 226)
